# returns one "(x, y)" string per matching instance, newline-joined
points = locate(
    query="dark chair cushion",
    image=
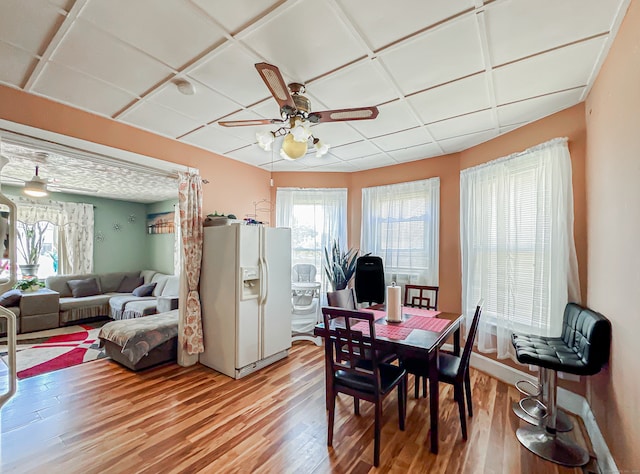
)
(448, 366)
(582, 349)
(389, 376)
(10, 298)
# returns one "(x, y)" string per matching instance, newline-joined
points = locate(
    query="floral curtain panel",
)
(190, 204)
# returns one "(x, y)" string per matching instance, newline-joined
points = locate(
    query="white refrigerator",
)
(245, 290)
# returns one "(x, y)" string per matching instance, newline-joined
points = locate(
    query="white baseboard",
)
(568, 400)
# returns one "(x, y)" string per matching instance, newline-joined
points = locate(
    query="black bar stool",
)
(582, 349)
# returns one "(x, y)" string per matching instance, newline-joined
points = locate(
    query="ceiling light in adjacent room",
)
(185, 87)
(37, 187)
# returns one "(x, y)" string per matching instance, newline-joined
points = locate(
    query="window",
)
(37, 246)
(316, 217)
(400, 223)
(518, 253)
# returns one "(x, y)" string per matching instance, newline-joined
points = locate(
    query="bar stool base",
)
(563, 423)
(553, 448)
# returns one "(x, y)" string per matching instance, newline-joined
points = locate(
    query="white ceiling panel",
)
(71, 87)
(15, 64)
(453, 145)
(372, 161)
(463, 125)
(534, 109)
(382, 22)
(515, 30)
(453, 99)
(172, 31)
(232, 72)
(98, 54)
(233, 16)
(324, 43)
(152, 116)
(414, 153)
(402, 139)
(425, 65)
(354, 150)
(215, 139)
(361, 85)
(448, 53)
(28, 25)
(287, 165)
(204, 106)
(393, 117)
(554, 71)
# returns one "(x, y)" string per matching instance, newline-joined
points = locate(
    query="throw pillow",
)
(87, 287)
(10, 298)
(144, 290)
(129, 283)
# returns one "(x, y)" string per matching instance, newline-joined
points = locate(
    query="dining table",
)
(420, 334)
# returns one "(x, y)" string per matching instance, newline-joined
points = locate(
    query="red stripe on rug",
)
(68, 359)
(75, 336)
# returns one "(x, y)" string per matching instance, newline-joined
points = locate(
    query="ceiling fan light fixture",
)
(300, 130)
(292, 149)
(35, 188)
(321, 148)
(265, 140)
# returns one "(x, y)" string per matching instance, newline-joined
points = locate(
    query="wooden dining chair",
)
(421, 296)
(352, 373)
(453, 370)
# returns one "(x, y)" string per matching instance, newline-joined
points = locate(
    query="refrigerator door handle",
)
(264, 278)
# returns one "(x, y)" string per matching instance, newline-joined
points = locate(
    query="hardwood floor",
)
(100, 417)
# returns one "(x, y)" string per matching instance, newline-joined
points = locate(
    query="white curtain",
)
(400, 223)
(75, 224)
(76, 238)
(316, 217)
(518, 252)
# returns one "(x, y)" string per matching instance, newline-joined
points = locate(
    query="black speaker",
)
(370, 285)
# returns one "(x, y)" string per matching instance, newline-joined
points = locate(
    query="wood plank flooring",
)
(101, 417)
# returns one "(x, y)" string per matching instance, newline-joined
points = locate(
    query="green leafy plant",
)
(28, 283)
(30, 241)
(339, 266)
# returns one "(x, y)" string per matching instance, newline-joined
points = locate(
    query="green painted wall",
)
(160, 246)
(125, 249)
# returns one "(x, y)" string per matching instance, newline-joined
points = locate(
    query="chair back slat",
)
(468, 345)
(427, 296)
(352, 350)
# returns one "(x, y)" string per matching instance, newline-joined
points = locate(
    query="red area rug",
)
(46, 351)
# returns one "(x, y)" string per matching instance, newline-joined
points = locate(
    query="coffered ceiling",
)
(445, 75)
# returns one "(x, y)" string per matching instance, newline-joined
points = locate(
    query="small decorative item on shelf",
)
(219, 219)
(29, 284)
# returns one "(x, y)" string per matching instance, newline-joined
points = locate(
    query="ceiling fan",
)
(40, 187)
(296, 116)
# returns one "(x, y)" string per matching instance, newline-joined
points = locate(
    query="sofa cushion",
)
(110, 282)
(160, 279)
(10, 298)
(68, 303)
(130, 283)
(86, 287)
(172, 286)
(144, 290)
(59, 282)
(137, 309)
(147, 275)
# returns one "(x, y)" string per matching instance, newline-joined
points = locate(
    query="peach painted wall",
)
(232, 188)
(613, 177)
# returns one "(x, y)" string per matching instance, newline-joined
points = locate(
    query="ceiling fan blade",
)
(341, 115)
(245, 123)
(271, 76)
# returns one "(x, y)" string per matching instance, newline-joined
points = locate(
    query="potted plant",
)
(339, 266)
(29, 284)
(30, 240)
